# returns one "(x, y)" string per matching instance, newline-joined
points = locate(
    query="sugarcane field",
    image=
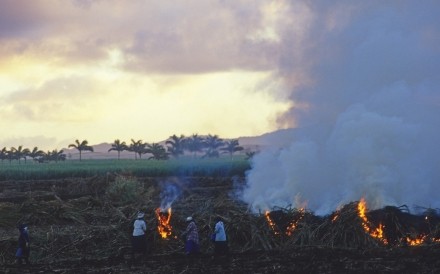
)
(84, 225)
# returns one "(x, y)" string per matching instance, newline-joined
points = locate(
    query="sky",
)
(101, 70)
(363, 79)
(356, 81)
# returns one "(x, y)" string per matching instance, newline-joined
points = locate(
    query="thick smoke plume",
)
(364, 83)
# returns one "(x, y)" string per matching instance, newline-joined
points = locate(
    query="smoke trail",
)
(169, 193)
(367, 114)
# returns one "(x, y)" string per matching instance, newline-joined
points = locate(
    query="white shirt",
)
(220, 234)
(139, 227)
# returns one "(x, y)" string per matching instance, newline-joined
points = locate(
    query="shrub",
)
(124, 190)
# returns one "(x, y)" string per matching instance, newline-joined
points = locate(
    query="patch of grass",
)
(124, 190)
(185, 166)
(9, 214)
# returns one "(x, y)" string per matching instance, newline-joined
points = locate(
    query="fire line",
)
(291, 225)
(271, 223)
(375, 233)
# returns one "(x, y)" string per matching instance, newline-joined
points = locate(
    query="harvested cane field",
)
(83, 225)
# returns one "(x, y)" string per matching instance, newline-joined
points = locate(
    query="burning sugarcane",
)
(170, 191)
(163, 226)
(281, 222)
(354, 225)
(271, 223)
(374, 232)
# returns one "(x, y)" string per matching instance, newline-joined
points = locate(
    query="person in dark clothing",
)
(23, 249)
(192, 237)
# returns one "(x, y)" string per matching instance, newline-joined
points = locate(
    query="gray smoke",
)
(367, 116)
(169, 193)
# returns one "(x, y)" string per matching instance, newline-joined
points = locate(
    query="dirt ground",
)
(297, 260)
(81, 226)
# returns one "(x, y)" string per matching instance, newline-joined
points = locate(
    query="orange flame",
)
(418, 241)
(164, 228)
(421, 239)
(292, 226)
(375, 233)
(270, 222)
(335, 216)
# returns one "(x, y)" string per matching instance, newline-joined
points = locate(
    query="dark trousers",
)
(191, 247)
(23, 254)
(139, 244)
(220, 247)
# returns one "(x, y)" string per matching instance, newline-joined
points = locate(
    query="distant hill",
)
(278, 138)
(285, 137)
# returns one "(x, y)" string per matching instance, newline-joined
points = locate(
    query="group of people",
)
(139, 240)
(191, 235)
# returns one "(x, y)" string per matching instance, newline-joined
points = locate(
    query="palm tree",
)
(250, 154)
(20, 152)
(212, 143)
(35, 153)
(80, 146)
(176, 145)
(118, 146)
(3, 154)
(158, 151)
(231, 147)
(194, 144)
(138, 147)
(11, 155)
(56, 155)
(45, 157)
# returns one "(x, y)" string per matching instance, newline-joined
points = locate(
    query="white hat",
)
(189, 219)
(141, 215)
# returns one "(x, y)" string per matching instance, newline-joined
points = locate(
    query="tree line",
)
(21, 153)
(210, 146)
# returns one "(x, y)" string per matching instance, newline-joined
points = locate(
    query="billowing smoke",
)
(366, 109)
(170, 191)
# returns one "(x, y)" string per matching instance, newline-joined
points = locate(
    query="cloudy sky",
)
(114, 69)
(147, 69)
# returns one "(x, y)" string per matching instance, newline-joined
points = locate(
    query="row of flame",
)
(165, 230)
(377, 233)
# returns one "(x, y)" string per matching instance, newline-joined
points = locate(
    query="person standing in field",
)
(23, 249)
(220, 244)
(192, 237)
(139, 239)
